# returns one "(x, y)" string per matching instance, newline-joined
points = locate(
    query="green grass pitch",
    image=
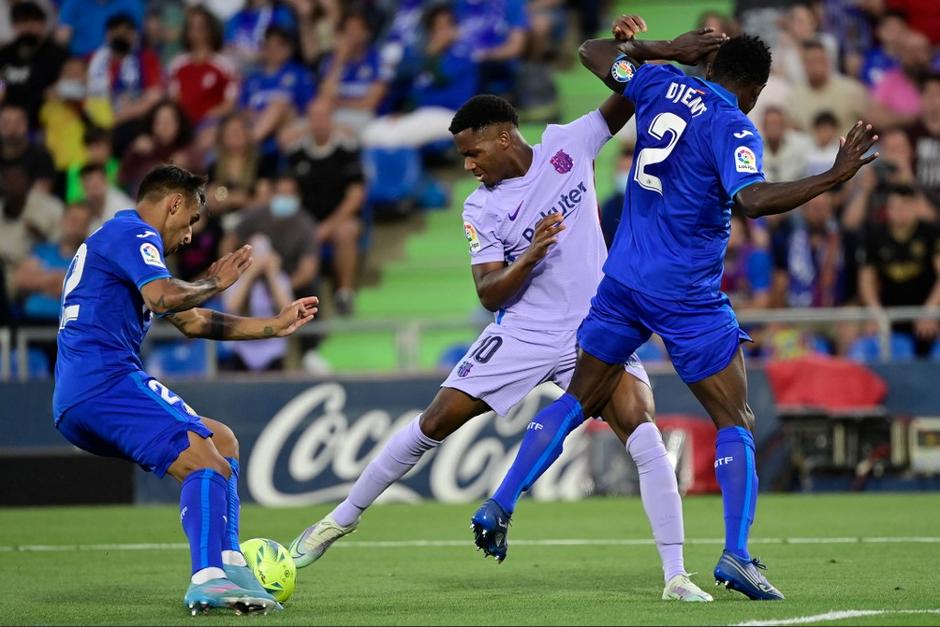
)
(381, 575)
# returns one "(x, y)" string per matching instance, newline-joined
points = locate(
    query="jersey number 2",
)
(661, 124)
(72, 278)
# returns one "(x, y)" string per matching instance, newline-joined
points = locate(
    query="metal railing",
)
(408, 334)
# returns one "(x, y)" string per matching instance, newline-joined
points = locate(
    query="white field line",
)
(829, 617)
(410, 544)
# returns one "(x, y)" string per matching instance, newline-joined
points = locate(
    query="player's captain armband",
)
(622, 69)
(472, 238)
(151, 255)
(745, 160)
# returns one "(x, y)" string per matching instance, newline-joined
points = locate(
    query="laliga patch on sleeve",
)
(151, 255)
(471, 233)
(622, 70)
(744, 160)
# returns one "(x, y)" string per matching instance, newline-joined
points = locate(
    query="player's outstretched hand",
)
(691, 47)
(851, 156)
(626, 27)
(296, 315)
(546, 236)
(231, 266)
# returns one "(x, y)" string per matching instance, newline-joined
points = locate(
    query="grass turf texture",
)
(537, 585)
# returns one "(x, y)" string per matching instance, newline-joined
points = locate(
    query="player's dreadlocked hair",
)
(743, 60)
(481, 111)
(168, 179)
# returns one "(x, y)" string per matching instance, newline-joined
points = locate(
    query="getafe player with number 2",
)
(106, 404)
(537, 251)
(697, 156)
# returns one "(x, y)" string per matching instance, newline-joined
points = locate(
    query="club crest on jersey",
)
(562, 162)
(744, 160)
(464, 368)
(470, 231)
(151, 255)
(622, 70)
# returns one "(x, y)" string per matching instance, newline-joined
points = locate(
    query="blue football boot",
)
(242, 577)
(223, 593)
(745, 577)
(490, 530)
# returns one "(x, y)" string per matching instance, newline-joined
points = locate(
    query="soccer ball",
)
(272, 565)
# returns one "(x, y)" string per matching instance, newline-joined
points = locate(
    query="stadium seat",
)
(868, 349)
(37, 364)
(184, 358)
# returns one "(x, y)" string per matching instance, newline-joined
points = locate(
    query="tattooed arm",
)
(165, 296)
(215, 325)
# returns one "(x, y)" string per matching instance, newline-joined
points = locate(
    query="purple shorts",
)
(505, 364)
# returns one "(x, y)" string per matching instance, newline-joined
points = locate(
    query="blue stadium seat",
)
(37, 364)
(183, 358)
(868, 349)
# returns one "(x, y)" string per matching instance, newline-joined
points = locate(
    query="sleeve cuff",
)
(746, 183)
(150, 279)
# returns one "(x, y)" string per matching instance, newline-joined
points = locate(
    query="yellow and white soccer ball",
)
(272, 565)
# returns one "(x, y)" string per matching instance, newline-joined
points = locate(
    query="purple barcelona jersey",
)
(499, 223)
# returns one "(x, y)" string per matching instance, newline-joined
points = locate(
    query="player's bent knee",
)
(201, 455)
(223, 438)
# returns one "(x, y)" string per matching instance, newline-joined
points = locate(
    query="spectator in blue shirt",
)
(82, 22)
(884, 56)
(442, 77)
(496, 31)
(279, 90)
(38, 279)
(245, 32)
(354, 83)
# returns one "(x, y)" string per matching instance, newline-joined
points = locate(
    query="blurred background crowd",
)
(313, 119)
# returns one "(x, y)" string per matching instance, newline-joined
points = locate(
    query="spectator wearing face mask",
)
(292, 233)
(69, 113)
(31, 62)
(128, 74)
(83, 23)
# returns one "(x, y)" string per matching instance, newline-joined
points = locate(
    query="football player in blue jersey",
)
(106, 404)
(697, 157)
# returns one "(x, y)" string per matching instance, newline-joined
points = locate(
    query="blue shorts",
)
(702, 337)
(138, 419)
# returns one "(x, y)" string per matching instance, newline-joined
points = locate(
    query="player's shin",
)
(202, 513)
(659, 492)
(393, 462)
(736, 472)
(542, 445)
(231, 546)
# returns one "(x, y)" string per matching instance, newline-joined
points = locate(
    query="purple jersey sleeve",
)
(590, 130)
(481, 229)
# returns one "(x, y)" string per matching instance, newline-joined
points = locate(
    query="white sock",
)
(393, 462)
(206, 574)
(659, 492)
(233, 558)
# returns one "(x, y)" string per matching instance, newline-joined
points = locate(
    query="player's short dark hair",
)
(743, 60)
(91, 168)
(825, 118)
(167, 179)
(26, 12)
(119, 19)
(481, 111)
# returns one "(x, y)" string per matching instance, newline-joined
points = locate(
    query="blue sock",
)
(543, 443)
(202, 512)
(230, 541)
(736, 471)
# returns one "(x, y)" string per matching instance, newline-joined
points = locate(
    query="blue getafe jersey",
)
(695, 150)
(103, 318)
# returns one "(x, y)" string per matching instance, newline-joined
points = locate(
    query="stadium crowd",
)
(309, 117)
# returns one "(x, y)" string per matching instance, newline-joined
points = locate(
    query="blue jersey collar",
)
(721, 91)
